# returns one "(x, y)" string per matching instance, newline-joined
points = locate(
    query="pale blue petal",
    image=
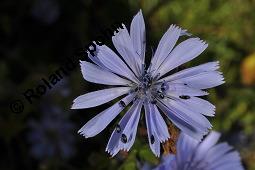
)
(165, 46)
(185, 148)
(95, 59)
(218, 151)
(200, 106)
(114, 63)
(189, 72)
(95, 74)
(136, 64)
(99, 97)
(176, 89)
(230, 166)
(152, 134)
(131, 128)
(180, 106)
(100, 121)
(124, 46)
(230, 160)
(159, 124)
(195, 118)
(212, 156)
(182, 53)
(114, 144)
(203, 80)
(182, 121)
(138, 36)
(204, 146)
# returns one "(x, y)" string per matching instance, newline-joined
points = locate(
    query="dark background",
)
(38, 36)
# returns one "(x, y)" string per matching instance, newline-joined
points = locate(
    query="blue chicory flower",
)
(176, 95)
(207, 155)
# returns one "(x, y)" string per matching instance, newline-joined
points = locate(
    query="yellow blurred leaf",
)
(248, 70)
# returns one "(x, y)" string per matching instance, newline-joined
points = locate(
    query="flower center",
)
(149, 89)
(145, 82)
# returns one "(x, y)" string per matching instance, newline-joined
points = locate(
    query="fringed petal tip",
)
(111, 153)
(166, 139)
(157, 155)
(80, 132)
(204, 134)
(119, 30)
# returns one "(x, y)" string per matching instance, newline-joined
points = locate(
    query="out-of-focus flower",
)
(207, 155)
(176, 95)
(248, 70)
(62, 88)
(52, 136)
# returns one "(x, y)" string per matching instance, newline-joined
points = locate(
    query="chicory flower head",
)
(207, 155)
(176, 95)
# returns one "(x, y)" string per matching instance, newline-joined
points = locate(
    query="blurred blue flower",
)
(176, 95)
(62, 88)
(52, 136)
(207, 155)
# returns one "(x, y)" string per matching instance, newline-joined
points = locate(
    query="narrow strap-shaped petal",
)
(183, 123)
(138, 36)
(199, 105)
(95, 74)
(203, 80)
(217, 151)
(207, 67)
(159, 124)
(99, 97)
(195, 105)
(165, 46)
(114, 143)
(177, 89)
(195, 118)
(100, 121)
(131, 128)
(152, 134)
(230, 160)
(184, 52)
(185, 148)
(114, 63)
(124, 46)
(207, 143)
(94, 58)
